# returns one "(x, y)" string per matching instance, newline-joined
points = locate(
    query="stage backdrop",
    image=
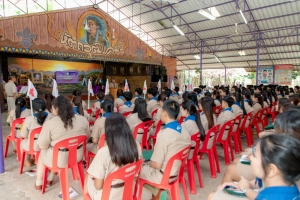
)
(81, 33)
(24, 67)
(266, 75)
(284, 74)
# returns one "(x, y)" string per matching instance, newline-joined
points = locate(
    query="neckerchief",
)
(258, 181)
(227, 109)
(217, 99)
(172, 95)
(75, 110)
(246, 100)
(36, 114)
(238, 104)
(99, 100)
(139, 96)
(202, 113)
(174, 125)
(121, 97)
(153, 98)
(106, 114)
(177, 93)
(190, 117)
(22, 109)
(128, 103)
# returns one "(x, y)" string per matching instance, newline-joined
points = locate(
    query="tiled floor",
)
(14, 186)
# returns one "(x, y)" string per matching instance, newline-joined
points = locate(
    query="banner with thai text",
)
(284, 74)
(66, 77)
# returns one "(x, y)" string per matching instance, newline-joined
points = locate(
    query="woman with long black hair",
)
(258, 103)
(121, 149)
(247, 101)
(238, 105)
(78, 107)
(207, 117)
(19, 112)
(77, 93)
(48, 98)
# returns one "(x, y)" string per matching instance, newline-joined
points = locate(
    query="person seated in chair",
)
(128, 106)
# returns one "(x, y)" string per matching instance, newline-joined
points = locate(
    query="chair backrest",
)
(154, 112)
(226, 130)
(127, 173)
(101, 141)
(238, 121)
(181, 119)
(158, 127)
(217, 110)
(181, 156)
(247, 120)
(71, 144)
(32, 135)
(264, 113)
(144, 125)
(14, 124)
(210, 137)
(257, 117)
(125, 114)
(89, 111)
(118, 108)
(196, 139)
(97, 113)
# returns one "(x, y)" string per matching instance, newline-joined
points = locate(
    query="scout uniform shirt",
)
(113, 85)
(12, 116)
(217, 102)
(127, 107)
(225, 115)
(237, 108)
(98, 130)
(152, 105)
(169, 141)
(204, 121)
(156, 118)
(10, 89)
(53, 131)
(133, 120)
(247, 106)
(265, 104)
(137, 97)
(97, 105)
(100, 168)
(119, 101)
(256, 107)
(190, 125)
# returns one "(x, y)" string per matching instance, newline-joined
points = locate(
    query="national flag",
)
(159, 84)
(126, 87)
(55, 89)
(106, 88)
(172, 85)
(31, 92)
(145, 88)
(90, 88)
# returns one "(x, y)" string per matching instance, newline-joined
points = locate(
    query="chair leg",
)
(141, 185)
(6, 146)
(23, 154)
(183, 182)
(45, 180)
(248, 136)
(191, 176)
(64, 183)
(240, 141)
(226, 153)
(212, 164)
(216, 158)
(88, 159)
(175, 194)
(236, 142)
(231, 150)
(37, 155)
(18, 148)
(199, 172)
(81, 174)
(74, 172)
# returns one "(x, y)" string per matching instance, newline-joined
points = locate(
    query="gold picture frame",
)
(37, 77)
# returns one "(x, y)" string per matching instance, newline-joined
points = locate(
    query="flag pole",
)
(2, 169)
(88, 99)
(31, 109)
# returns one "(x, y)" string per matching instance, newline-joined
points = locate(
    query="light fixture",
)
(243, 17)
(197, 57)
(206, 14)
(177, 29)
(214, 11)
(95, 6)
(217, 58)
(242, 53)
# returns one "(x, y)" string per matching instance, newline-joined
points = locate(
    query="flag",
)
(90, 88)
(159, 84)
(172, 85)
(126, 87)
(182, 87)
(55, 89)
(106, 88)
(145, 88)
(31, 92)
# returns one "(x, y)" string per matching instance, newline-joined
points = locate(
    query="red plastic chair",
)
(12, 137)
(158, 127)
(217, 110)
(273, 111)
(91, 154)
(224, 137)
(89, 111)
(190, 164)
(154, 112)
(118, 108)
(125, 114)
(236, 134)
(71, 144)
(31, 150)
(264, 117)
(209, 147)
(145, 126)
(166, 184)
(127, 174)
(181, 119)
(246, 127)
(97, 113)
(255, 123)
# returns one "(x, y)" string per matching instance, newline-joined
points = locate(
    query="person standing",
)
(2, 97)
(113, 84)
(11, 93)
(176, 82)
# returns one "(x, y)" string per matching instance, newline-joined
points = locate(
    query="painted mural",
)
(83, 33)
(25, 68)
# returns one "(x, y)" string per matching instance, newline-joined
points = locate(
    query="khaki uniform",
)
(30, 124)
(12, 117)
(256, 108)
(204, 121)
(113, 85)
(156, 118)
(97, 106)
(124, 108)
(98, 130)
(133, 120)
(175, 98)
(224, 117)
(266, 104)
(248, 108)
(133, 100)
(10, 89)
(168, 143)
(118, 102)
(54, 131)
(176, 83)
(217, 102)
(237, 110)
(152, 105)
(192, 128)
(84, 105)
(100, 168)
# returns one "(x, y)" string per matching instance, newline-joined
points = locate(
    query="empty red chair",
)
(209, 147)
(181, 119)
(12, 137)
(157, 129)
(236, 134)
(127, 174)
(255, 123)
(246, 127)
(173, 185)
(217, 110)
(31, 150)
(71, 144)
(145, 126)
(125, 114)
(91, 154)
(224, 137)
(190, 164)
(154, 112)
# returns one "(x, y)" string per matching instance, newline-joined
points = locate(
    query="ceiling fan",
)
(235, 33)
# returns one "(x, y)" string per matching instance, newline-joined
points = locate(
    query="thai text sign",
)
(66, 77)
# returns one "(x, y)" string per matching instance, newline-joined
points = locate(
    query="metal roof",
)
(273, 27)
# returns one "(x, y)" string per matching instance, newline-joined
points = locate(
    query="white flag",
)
(145, 88)
(90, 88)
(159, 84)
(55, 89)
(172, 85)
(106, 88)
(126, 87)
(31, 92)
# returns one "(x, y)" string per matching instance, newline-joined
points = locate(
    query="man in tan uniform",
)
(128, 105)
(113, 84)
(152, 103)
(176, 82)
(170, 140)
(11, 93)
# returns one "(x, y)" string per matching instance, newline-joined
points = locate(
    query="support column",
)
(201, 52)
(225, 76)
(257, 57)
